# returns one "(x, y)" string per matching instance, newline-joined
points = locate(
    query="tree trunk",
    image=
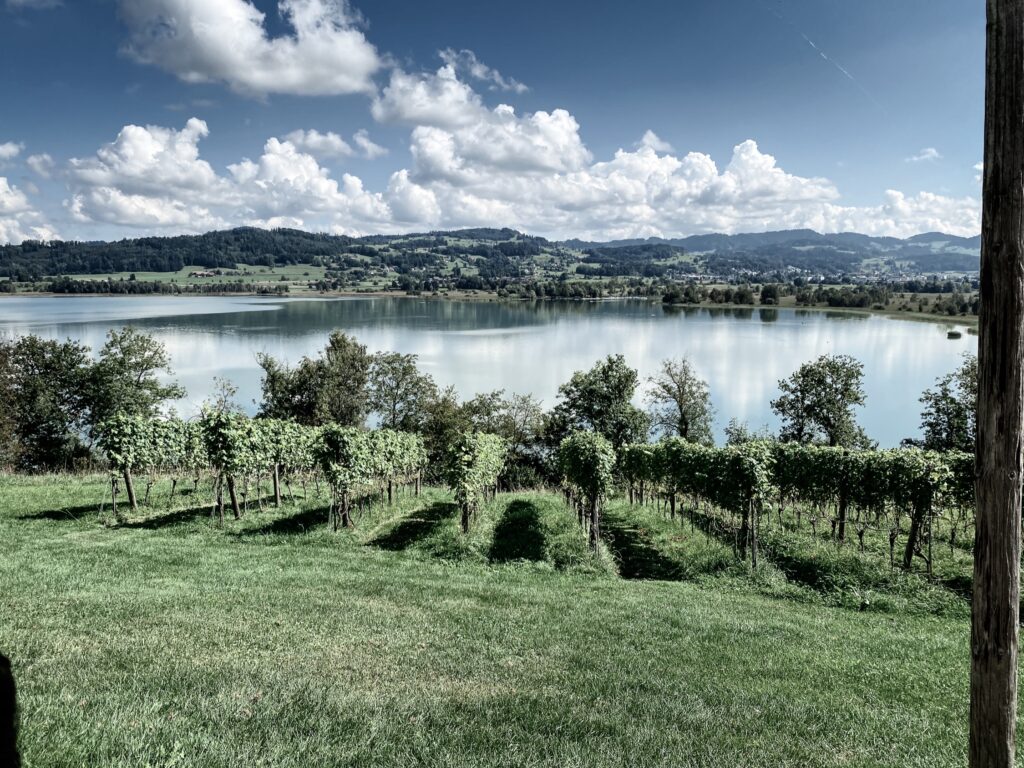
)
(346, 513)
(753, 535)
(129, 487)
(277, 485)
(391, 491)
(118, 517)
(915, 533)
(844, 503)
(595, 524)
(672, 505)
(996, 587)
(465, 518)
(744, 532)
(220, 499)
(234, 498)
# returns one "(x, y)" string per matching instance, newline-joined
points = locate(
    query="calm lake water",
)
(533, 348)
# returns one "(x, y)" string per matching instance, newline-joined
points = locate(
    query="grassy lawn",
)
(272, 642)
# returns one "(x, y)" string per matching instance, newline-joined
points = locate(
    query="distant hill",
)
(809, 250)
(494, 253)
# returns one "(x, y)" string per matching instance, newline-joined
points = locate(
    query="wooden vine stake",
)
(996, 589)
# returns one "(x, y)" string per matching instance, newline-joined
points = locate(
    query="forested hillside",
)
(471, 257)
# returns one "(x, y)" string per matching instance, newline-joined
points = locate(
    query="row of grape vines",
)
(898, 492)
(235, 450)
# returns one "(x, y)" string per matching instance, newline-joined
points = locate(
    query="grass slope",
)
(169, 641)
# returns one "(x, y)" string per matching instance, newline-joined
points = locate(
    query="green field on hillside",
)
(271, 641)
(245, 273)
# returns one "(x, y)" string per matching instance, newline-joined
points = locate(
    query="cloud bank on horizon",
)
(471, 164)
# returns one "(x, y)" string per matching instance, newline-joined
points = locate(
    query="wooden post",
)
(129, 486)
(235, 509)
(595, 523)
(753, 534)
(277, 485)
(996, 586)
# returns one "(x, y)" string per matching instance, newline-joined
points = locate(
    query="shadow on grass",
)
(635, 551)
(417, 525)
(64, 514)
(518, 535)
(167, 519)
(293, 524)
(959, 584)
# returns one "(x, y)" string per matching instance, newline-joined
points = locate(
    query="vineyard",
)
(809, 508)
(351, 587)
(831, 518)
(239, 454)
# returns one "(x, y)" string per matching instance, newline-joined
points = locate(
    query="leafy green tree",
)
(770, 294)
(445, 420)
(817, 402)
(949, 420)
(345, 368)
(45, 388)
(399, 391)
(485, 412)
(679, 403)
(331, 388)
(600, 400)
(519, 421)
(281, 397)
(126, 379)
(739, 432)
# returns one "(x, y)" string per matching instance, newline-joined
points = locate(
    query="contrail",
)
(842, 70)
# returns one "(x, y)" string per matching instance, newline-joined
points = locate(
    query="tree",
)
(600, 400)
(485, 411)
(342, 398)
(445, 420)
(126, 377)
(398, 391)
(519, 421)
(45, 390)
(995, 604)
(331, 388)
(817, 402)
(949, 420)
(679, 403)
(739, 432)
(281, 398)
(770, 294)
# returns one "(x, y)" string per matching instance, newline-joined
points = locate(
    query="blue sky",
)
(132, 117)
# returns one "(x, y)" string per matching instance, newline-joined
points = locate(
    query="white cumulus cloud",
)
(327, 144)
(655, 142)
(19, 220)
(370, 149)
(202, 41)
(42, 164)
(10, 150)
(926, 155)
(492, 167)
(466, 61)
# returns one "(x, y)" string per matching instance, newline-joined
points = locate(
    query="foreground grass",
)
(273, 642)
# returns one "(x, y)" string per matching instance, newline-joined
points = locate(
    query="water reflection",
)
(524, 347)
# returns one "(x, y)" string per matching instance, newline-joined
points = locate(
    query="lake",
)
(523, 347)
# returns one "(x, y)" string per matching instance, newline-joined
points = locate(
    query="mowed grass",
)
(274, 642)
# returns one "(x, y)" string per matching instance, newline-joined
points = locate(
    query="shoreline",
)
(970, 322)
